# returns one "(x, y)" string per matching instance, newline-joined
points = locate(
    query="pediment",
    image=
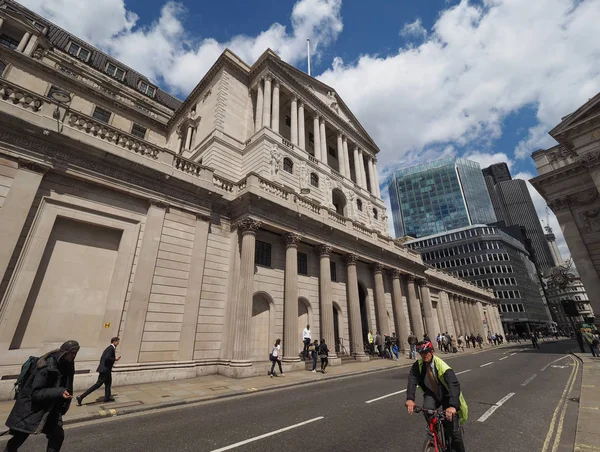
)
(19, 18)
(588, 111)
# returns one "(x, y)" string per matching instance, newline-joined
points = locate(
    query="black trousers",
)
(103, 379)
(452, 429)
(273, 361)
(305, 349)
(55, 435)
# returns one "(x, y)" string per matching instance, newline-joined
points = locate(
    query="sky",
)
(481, 79)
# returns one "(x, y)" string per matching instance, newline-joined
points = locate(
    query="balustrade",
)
(20, 96)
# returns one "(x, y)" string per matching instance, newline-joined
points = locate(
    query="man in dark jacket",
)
(440, 387)
(107, 361)
(44, 398)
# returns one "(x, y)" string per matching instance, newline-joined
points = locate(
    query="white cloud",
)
(414, 30)
(486, 159)
(166, 51)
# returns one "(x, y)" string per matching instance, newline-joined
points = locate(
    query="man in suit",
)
(104, 370)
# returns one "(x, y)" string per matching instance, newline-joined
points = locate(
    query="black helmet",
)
(424, 346)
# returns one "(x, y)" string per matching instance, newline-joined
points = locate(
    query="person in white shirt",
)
(276, 358)
(306, 338)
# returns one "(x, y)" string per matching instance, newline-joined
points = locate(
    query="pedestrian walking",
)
(395, 349)
(379, 344)
(107, 361)
(461, 341)
(412, 342)
(306, 339)
(371, 343)
(314, 352)
(44, 399)
(534, 341)
(275, 357)
(324, 355)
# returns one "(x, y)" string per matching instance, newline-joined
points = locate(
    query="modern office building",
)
(491, 258)
(439, 196)
(513, 205)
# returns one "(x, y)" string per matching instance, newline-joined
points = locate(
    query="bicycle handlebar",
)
(441, 414)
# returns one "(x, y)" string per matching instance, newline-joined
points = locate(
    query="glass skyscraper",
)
(439, 196)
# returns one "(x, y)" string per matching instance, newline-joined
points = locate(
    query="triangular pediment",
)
(19, 18)
(589, 110)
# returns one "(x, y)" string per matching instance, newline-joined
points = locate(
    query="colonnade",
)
(350, 156)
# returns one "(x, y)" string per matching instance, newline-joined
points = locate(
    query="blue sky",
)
(482, 79)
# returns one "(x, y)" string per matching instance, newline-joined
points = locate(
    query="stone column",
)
(346, 157)
(463, 316)
(430, 324)
(301, 132)
(400, 319)
(341, 157)
(187, 338)
(179, 142)
(371, 176)
(1, 22)
(325, 302)
(499, 317)
(24, 41)
(259, 107)
(376, 179)
(357, 174)
(478, 308)
(267, 102)
(356, 336)
(448, 316)
(16, 207)
(294, 120)
(317, 138)
(470, 317)
(323, 141)
(383, 325)
(275, 119)
(441, 315)
(416, 320)
(455, 320)
(188, 137)
(142, 284)
(290, 306)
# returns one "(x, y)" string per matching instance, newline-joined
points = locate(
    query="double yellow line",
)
(562, 409)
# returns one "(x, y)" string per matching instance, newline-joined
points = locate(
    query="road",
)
(519, 400)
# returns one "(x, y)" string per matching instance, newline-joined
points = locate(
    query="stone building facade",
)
(198, 231)
(569, 180)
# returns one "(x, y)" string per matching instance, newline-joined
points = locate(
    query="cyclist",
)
(440, 387)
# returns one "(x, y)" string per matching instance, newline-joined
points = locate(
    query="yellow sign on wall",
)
(107, 325)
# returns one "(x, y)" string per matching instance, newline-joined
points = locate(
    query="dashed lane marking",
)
(529, 380)
(486, 364)
(512, 354)
(266, 435)
(498, 404)
(385, 396)
(503, 358)
(463, 372)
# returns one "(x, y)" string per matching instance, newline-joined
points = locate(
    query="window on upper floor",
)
(147, 89)
(314, 180)
(332, 152)
(262, 255)
(311, 138)
(138, 131)
(288, 165)
(288, 121)
(79, 52)
(9, 42)
(333, 271)
(375, 214)
(101, 114)
(115, 71)
(2, 68)
(359, 204)
(302, 264)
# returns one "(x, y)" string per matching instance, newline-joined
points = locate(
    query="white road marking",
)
(463, 372)
(498, 404)
(386, 396)
(503, 358)
(528, 380)
(266, 435)
(512, 354)
(487, 364)
(548, 365)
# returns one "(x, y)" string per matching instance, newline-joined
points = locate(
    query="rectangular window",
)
(333, 271)
(288, 121)
(302, 264)
(79, 52)
(332, 152)
(9, 42)
(262, 254)
(101, 114)
(147, 89)
(311, 138)
(138, 131)
(115, 71)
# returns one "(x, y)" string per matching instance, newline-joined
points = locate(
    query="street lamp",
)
(62, 97)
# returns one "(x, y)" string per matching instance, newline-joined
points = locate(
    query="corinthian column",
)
(317, 138)
(416, 321)
(294, 120)
(376, 179)
(325, 303)
(301, 132)
(267, 103)
(275, 119)
(323, 140)
(259, 106)
(346, 157)
(243, 308)
(356, 337)
(290, 307)
(382, 321)
(441, 315)
(469, 315)
(399, 313)
(341, 156)
(371, 176)
(463, 316)
(357, 173)
(430, 323)
(455, 319)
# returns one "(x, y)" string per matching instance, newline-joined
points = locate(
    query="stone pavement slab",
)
(587, 438)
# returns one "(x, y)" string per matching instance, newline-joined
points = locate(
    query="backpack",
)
(26, 372)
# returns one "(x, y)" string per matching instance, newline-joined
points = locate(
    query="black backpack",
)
(26, 371)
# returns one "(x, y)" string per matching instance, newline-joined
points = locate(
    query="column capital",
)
(248, 225)
(395, 273)
(36, 167)
(422, 281)
(159, 203)
(559, 204)
(268, 77)
(294, 97)
(203, 216)
(292, 239)
(377, 267)
(344, 138)
(324, 250)
(275, 82)
(300, 102)
(351, 259)
(411, 278)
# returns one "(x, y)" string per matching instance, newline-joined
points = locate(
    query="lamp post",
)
(63, 99)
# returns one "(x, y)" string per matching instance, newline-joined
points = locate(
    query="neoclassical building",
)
(198, 231)
(569, 180)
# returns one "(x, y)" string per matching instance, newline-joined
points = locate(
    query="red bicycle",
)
(437, 440)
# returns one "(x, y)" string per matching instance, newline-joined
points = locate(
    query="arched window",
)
(359, 204)
(288, 165)
(375, 213)
(2, 67)
(314, 180)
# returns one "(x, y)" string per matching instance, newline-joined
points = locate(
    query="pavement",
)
(520, 399)
(588, 426)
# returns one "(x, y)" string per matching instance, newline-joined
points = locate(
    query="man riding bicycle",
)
(440, 387)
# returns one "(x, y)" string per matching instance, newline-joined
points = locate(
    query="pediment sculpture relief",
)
(276, 159)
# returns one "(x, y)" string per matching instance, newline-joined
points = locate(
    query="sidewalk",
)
(152, 396)
(587, 438)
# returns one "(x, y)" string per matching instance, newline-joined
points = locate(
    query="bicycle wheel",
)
(429, 446)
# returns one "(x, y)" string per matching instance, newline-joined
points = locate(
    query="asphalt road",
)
(352, 414)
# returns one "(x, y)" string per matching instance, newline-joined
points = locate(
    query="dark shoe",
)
(110, 399)
(79, 400)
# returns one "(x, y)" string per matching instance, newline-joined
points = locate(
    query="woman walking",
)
(276, 358)
(314, 352)
(323, 354)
